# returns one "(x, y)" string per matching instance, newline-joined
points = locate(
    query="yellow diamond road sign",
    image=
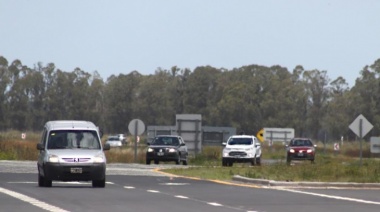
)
(363, 123)
(260, 135)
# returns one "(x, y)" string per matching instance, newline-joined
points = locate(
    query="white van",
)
(71, 151)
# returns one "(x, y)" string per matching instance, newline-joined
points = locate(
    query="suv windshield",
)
(167, 141)
(69, 139)
(240, 141)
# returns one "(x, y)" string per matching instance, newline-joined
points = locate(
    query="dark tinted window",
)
(301, 142)
(167, 141)
(240, 141)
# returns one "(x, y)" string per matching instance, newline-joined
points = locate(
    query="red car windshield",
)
(301, 143)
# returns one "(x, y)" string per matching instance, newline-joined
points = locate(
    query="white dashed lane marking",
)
(214, 204)
(182, 197)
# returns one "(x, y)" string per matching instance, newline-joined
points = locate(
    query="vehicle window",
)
(69, 139)
(169, 141)
(43, 137)
(113, 139)
(240, 141)
(301, 143)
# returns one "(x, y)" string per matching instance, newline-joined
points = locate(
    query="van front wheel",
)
(99, 183)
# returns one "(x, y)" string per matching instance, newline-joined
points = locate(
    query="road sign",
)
(361, 126)
(375, 144)
(260, 135)
(136, 127)
(336, 146)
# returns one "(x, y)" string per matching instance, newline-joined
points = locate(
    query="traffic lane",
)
(247, 198)
(115, 197)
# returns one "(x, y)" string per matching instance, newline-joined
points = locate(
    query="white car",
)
(114, 141)
(241, 149)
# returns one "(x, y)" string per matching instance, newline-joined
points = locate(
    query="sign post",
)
(361, 126)
(136, 127)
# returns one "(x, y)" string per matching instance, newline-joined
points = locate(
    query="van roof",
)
(70, 124)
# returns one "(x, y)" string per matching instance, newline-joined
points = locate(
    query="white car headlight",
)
(53, 159)
(150, 150)
(291, 151)
(99, 159)
(172, 150)
(226, 149)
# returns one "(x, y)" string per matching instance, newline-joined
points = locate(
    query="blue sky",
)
(121, 36)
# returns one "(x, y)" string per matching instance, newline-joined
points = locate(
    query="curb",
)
(272, 183)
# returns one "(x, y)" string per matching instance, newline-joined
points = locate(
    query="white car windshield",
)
(240, 141)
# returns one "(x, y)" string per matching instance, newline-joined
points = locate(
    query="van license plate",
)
(76, 170)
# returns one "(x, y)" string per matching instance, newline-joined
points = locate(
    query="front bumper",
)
(74, 172)
(238, 156)
(303, 156)
(163, 156)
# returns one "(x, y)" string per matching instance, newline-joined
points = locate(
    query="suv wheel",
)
(224, 162)
(178, 161)
(258, 161)
(147, 162)
(253, 161)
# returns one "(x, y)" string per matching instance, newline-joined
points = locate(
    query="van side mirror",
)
(40, 146)
(106, 147)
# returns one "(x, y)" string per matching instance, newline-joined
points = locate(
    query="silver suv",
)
(71, 151)
(241, 149)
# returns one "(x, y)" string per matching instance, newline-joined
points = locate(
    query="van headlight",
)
(53, 159)
(99, 159)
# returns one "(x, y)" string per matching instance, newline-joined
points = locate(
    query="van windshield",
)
(71, 139)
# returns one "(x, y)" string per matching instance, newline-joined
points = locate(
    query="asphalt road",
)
(136, 187)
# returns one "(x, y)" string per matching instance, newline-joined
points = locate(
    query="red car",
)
(300, 149)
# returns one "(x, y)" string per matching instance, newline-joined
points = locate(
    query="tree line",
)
(248, 98)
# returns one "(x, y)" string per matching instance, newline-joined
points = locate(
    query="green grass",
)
(330, 166)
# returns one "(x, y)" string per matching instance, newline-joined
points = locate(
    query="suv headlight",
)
(99, 159)
(309, 150)
(172, 150)
(226, 149)
(291, 150)
(53, 159)
(150, 150)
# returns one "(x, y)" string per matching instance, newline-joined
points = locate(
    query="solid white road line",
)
(332, 197)
(32, 201)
